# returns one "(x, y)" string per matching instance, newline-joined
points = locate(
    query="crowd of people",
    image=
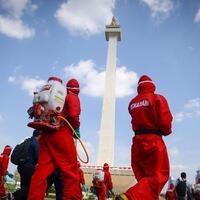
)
(102, 183)
(52, 157)
(181, 189)
(102, 188)
(46, 159)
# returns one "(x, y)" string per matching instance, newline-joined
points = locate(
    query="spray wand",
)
(74, 132)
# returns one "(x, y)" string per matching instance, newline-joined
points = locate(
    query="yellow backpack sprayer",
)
(47, 106)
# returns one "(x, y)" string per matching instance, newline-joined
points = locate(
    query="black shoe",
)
(120, 197)
(117, 197)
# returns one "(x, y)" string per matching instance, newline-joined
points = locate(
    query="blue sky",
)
(160, 38)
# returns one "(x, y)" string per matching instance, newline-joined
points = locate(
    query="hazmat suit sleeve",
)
(164, 115)
(5, 160)
(72, 110)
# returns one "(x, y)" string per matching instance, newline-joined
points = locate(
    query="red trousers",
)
(101, 193)
(170, 195)
(150, 164)
(56, 151)
(197, 196)
(2, 188)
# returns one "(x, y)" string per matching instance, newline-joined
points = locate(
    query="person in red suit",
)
(4, 160)
(170, 193)
(107, 179)
(196, 191)
(151, 119)
(99, 185)
(57, 151)
(196, 187)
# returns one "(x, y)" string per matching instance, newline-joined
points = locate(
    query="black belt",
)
(148, 131)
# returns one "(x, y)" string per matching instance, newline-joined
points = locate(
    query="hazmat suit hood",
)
(7, 150)
(73, 86)
(106, 167)
(146, 85)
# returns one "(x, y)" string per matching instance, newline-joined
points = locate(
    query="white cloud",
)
(159, 8)
(191, 109)
(126, 82)
(93, 81)
(11, 79)
(14, 7)
(31, 84)
(193, 103)
(197, 17)
(85, 17)
(11, 23)
(178, 117)
(15, 28)
(28, 84)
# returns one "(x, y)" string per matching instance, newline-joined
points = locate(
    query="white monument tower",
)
(107, 129)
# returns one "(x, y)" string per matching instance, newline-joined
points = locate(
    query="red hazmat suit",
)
(151, 118)
(196, 190)
(57, 150)
(4, 160)
(100, 189)
(107, 178)
(170, 193)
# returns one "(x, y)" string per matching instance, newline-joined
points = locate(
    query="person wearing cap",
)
(151, 119)
(99, 185)
(57, 151)
(4, 160)
(170, 193)
(27, 169)
(107, 179)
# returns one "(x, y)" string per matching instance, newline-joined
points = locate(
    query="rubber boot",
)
(120, 197)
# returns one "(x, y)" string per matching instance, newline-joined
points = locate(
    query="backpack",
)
(181, 188)
(20, 153)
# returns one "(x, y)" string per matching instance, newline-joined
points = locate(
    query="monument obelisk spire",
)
(107, 129)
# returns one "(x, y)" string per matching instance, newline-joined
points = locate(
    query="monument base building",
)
(122, 177)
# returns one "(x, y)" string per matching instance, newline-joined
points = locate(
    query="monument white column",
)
(107, 129)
